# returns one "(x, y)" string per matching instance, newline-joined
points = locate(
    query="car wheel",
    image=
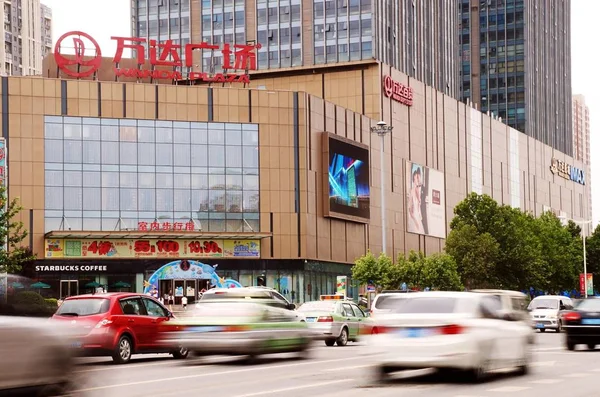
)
(330, 342)
(180, 354)
(123, 351)
(591, 346)
(342, 340)
(559, 327)
(570, 345)
(542, 330)
(523, 367)
(382, 374)
(479, 373)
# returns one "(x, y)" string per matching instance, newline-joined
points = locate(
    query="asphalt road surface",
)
(332, 372)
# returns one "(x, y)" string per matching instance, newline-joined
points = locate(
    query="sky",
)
(106, 18)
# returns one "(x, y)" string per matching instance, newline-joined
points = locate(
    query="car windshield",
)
(236, 295)
(386, 302)
(543, 304)
(229, 309)
(317, 307)
(426, 305)
(589, 305)
(83, 307)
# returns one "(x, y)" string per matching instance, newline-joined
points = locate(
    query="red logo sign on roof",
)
(76, 65)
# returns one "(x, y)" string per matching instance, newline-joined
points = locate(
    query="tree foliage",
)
(593, 251)
(12, 234)
(377, 271)
(497, 246)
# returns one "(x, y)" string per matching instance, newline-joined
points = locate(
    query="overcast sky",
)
(112, 18)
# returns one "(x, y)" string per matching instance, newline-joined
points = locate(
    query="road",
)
(331, 372)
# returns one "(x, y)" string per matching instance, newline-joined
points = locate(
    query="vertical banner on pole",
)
(582, 283)
(341, 285)
(589, 284)
(3, 182)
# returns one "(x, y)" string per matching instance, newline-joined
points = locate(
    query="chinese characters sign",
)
(586, 282)
(151, 248)
(2, 162)
(236, 57)
(166, 226)
(397, 91)
(567, 171)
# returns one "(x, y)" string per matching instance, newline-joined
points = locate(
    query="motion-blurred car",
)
(336, 321)
(464, 331)
(582, 324)
(384, 301)
(117, 325)
(239, 327)
(35, 360)
(545, 311)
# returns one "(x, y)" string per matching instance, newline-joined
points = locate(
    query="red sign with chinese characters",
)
(166, 226)
(161, 54)
(397, 91)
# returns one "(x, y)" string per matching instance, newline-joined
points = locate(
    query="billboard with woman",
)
(425, 201)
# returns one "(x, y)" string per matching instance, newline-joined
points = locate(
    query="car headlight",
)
(553, 317)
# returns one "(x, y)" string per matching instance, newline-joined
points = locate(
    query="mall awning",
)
(136, 234)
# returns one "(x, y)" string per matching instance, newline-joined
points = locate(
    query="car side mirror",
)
(291, 306)
(508, 316)
(562, 307)
(170, 315)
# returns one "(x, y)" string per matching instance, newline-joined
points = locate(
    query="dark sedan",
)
(582, 324)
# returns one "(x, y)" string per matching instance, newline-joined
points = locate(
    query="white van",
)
(544, 311)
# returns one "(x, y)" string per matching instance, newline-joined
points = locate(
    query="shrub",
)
(51, 302)
(28, 298)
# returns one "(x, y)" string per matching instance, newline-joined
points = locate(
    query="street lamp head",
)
(381, 128)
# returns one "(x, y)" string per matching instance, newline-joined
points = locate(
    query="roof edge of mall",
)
(279, 179)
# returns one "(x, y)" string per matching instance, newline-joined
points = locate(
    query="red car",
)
(117, 325)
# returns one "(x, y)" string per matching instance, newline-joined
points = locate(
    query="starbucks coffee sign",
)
(567, 171)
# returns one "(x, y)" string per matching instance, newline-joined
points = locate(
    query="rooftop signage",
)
(397, 91)
(87, 58)
(567, 171)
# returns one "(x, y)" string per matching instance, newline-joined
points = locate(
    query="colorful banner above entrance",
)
(150, 248)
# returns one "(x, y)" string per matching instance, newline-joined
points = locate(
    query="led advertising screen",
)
(348, 179)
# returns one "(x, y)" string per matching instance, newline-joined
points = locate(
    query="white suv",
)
(545, 311)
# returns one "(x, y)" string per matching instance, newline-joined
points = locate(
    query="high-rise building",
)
(27, 36)
(516, 63)
(417, 37)
(581, 136)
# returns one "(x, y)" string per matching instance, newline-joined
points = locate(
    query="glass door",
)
(190, 291)
(68, 288)
(179, 291)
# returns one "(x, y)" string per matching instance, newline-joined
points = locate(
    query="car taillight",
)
(379, 330)
(325, 319)
(572, 316)
(104, 323)
(452, 329)
(235, 328)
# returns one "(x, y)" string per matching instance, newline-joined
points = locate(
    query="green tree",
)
(574, 229)
(592, 248)
(476, 256)
(378, 271)
(509, 254)
(12, 234)
(437, 271)
(561, 253)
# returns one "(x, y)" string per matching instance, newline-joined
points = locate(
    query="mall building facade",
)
(136, 186)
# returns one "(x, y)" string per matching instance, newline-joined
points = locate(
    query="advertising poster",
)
(348, 178)
(151, 248)
(425, 201)
(586, 283)
(341, 285)
(3, 182)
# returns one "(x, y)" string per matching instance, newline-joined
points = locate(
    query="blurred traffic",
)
(469, 333)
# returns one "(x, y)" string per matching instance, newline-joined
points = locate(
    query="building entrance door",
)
(68, 288)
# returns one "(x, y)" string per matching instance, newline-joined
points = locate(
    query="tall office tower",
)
(418, 37)
(516, 63)
(26, 31)
(581, 136)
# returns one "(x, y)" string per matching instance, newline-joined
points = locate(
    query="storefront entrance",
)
(182, 287)
(68, 288)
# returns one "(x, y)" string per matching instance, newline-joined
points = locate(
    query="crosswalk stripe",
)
(575, 375)
(543, 363)
(508, 389)
(546, 381)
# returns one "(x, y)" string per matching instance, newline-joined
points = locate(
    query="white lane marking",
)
(262, 393)
(112, 367)
(543, 363)
(508, 389)
(236, 371)
(546, 381)
(575, 375)
(544, 349)
(595, 370)
(347, 368)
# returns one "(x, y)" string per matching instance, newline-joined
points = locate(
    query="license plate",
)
(413, 333)
(76, 345)
(540, 326)
(205, 329)
(590, 321)
(311, 319)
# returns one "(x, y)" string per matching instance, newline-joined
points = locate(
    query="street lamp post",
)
(381, 129)
(583, 224)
